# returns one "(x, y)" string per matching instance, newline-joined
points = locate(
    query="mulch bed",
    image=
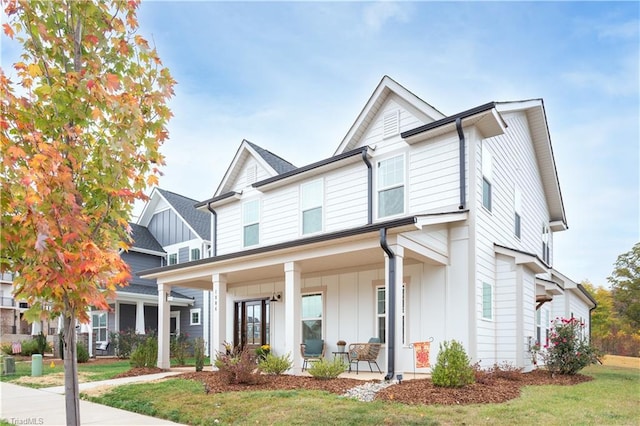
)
(488, 388)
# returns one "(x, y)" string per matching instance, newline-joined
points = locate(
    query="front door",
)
(251, 325)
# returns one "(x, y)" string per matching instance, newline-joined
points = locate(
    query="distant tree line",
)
(615, 323)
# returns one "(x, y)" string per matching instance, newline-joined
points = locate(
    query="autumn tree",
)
(625, 286)
(84, 113)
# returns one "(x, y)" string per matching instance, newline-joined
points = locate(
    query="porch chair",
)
(311, 350)
(365, 352)
(102, 347)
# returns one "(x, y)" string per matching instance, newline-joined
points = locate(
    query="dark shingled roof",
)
(280, 165)
(198, 220)
(148, 289)
(143, 239)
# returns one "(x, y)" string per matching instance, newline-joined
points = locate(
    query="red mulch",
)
(488, 389)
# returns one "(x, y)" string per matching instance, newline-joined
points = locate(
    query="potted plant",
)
(341, 345)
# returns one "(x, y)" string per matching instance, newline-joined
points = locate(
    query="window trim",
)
(517, 212)
(106, 326)
(322, 314)
(486, 167)
(320, 205)
(195, 311)
(380, 284)
(489, 301)
(170, 256)
(191, 257)
(246, 224)
(402, 185)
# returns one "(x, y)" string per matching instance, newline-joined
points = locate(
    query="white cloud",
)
(377, 14)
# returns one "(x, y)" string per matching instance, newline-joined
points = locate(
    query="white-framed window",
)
(381, 313)
(172, 259)
(517, 209)
(99, 325)
(195, 316)
(311, 200)
(546, 250)
(487, 172)
(390, 186)
(487, 301)
(312, 315)
(251, 223)
(195, 254)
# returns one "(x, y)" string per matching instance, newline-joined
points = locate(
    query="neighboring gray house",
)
(169, 231)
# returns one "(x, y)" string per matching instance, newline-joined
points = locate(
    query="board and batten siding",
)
(506, 310)
(168, 228)
(349, 307)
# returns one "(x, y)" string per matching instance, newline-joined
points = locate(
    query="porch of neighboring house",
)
(334, 290)
(135, 308)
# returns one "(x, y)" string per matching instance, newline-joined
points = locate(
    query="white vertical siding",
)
(506, 310)
(529, 317)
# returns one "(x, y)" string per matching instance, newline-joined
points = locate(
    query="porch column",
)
(164, 309)
(398, 343)
(292, 301)
(219, 313)
(140, 328)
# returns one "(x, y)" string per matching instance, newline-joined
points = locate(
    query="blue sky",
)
(292, 77)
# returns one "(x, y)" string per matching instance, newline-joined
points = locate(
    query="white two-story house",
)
(421, 227)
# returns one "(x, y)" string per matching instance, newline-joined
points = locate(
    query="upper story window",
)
(487, 172)
(517, 208)
(195, 254)
(251, 223)
(546, 250)
(173, 259)
(390, 182)
(311, 195)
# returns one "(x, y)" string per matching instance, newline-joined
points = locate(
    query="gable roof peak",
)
(277, 163)
(383, 90)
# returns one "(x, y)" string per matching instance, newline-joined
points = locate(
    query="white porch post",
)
(164, 309)
(398, 343)
(292, 301)
(219, 314)
(140, 328)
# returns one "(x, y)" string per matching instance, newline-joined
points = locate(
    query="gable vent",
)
(252, 173)
(391, 123)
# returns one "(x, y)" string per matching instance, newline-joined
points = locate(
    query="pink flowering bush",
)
(568, 350)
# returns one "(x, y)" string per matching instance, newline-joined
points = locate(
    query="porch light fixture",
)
(275, 297)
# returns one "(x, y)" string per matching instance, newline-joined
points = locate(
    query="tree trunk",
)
(71, 389)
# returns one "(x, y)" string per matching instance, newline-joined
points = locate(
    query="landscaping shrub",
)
(179, 348)
(41, 341)
(262, 352)
(568, 350)
(125, 342)
(29, 347)
(198, 353)
(238, 366)
(453, 368)
(82, 353)
(324, 369)
(6, 349)
(272, 364)
(145, 354)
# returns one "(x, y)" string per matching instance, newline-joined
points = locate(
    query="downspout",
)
(369, 187)
(391, 304)
(590, 325)
(462, 148)
(214, 231)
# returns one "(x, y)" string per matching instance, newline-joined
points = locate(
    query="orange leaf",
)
(90, 38)
(8, 30)
(113, 82)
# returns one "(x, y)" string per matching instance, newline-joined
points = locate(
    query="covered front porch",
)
(383, 281)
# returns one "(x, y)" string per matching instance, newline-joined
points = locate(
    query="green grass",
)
(612, 398)
(93, 372)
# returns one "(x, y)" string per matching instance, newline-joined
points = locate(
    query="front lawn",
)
(612, 398)
(53, 375)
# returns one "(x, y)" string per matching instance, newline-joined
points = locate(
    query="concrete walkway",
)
(23, 405)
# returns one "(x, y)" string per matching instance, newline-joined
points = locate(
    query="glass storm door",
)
(251, 327)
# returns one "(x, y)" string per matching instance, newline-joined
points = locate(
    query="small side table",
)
(342, 354)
